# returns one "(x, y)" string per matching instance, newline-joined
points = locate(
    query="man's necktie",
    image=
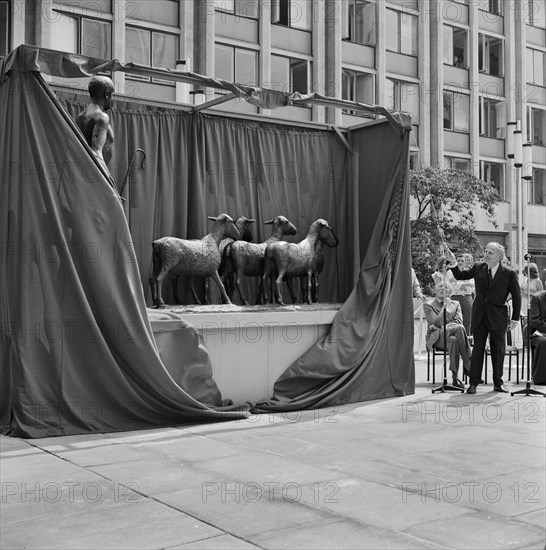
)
(490, 275)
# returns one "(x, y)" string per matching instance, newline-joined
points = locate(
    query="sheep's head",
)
(243, 225)
(225, 224)
(282, 225)
(326, 233)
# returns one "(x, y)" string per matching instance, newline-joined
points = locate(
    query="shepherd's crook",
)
(142, 165)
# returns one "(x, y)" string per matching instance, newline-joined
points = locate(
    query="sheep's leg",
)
(291, 289)
(191, 286)
(225, 298)
(278, 288)
(308, 289)
(315, 287)
(206, 285)
(175, 289)
(155, 284)
(238, 280)
(260, 292)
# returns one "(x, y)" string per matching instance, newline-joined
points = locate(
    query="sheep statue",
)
(243, 225)
(283, 259)
(248, 258)
(191, 258)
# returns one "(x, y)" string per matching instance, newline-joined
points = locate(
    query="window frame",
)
(502, 172)
(532, 21)
(533, 52)
(484, 48)
(399, 15)
(531, 137)
(486, 103)
(236, 10)
(289, 84)
(5, 46)
(282, 8)
(452, 111)
(349, 32)
(79, 39)
(151, 32)
(532, 187)
(353, 74)
(452, 60)
(234, 49)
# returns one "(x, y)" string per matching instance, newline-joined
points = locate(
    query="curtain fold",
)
(78, 353)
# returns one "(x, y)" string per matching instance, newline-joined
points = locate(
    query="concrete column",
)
(333, 26)
(424, 79)
(474, 81)
(19, 15)
(118, 44)
(510, 94)
(264, 55)
(380, 53)
(435, 95)
(319, 59)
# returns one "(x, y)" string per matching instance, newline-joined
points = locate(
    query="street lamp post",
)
(521, 155)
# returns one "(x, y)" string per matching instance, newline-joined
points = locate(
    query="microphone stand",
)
(445, 386)
(528, 390)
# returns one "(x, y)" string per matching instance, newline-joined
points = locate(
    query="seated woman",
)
(442, 273)
(531, 283)
(458, 345)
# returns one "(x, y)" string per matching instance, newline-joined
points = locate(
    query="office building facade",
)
(463, 69)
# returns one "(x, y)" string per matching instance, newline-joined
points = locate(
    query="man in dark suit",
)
(537, 325)
(494, 282)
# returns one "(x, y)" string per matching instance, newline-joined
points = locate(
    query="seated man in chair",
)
(538, 336)
(457, 338)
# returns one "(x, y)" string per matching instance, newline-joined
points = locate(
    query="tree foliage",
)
(446, 202)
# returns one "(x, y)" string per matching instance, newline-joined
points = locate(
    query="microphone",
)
(527, 257)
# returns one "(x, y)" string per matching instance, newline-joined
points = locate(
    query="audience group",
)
(479, 302)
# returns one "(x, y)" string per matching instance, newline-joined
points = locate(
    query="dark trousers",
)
(538, 345)
(497, 343)
(466, 309)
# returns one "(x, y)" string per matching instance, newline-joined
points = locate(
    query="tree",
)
(446, 201)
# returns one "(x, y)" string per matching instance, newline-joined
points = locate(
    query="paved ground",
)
(425, 471)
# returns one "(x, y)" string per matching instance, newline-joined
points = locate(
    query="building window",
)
(414, 162)
(456, 111)
(243, 8)
(493, 172)
(359, 87)
(83, 35)
(490, 55)
(359, 22)
(96, 6)
(403, 96)
(402, 29)
(4, 28)
(457, 163)
(236, 65)
(537, 187)
(492, 118)
(536, 126)
(291, 13)
(290, 74)
(491, 6)
(535, 67)
(164, 12)
(455, 47)
(536, 13)
(151, 48)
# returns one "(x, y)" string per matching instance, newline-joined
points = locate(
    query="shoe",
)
(471, 389)
(457, 383)
(502, 389)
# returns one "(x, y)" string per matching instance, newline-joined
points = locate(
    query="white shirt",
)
(494, 270)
